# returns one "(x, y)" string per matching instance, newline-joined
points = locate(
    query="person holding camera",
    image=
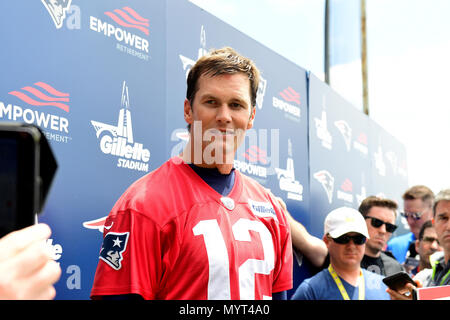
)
(27, 270)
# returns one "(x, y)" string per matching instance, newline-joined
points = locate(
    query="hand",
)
(406, 293)
(27, 270)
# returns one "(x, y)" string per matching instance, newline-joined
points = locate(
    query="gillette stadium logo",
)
(118, 140)
(49, 101)
(127, 27)
(290, 97)
(322, 131)
(255, 156)
(287, 181)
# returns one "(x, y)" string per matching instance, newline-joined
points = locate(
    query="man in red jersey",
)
(195, 228)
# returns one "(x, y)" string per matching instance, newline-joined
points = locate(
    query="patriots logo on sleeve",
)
(114, 245)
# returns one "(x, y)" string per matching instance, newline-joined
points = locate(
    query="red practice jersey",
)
(171, 236)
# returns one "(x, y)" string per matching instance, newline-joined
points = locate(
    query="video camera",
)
(27, 168)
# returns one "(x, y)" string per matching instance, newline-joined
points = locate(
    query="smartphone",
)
(398, 281)
(27, 167)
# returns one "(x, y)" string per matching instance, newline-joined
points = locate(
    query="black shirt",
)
(384, 265)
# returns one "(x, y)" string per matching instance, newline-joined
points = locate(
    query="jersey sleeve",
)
(131, 259)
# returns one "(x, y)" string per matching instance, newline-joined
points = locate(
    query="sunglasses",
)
(377, 223)
(414, 215)
(358, 239)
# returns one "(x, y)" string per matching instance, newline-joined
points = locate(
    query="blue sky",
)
(408, 56)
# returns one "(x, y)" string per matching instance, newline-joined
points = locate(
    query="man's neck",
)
(188, 156)
(372, 253)
(351, 275)
(424, 265)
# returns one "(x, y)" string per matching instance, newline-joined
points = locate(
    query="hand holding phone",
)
(398, 281)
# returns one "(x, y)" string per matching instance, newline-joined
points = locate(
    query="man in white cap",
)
(345, 237)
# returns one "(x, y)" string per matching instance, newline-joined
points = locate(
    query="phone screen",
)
(8, 184)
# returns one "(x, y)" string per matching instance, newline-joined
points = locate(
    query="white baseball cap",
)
(343, 220)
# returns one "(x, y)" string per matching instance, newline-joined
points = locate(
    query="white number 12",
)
(216, 249)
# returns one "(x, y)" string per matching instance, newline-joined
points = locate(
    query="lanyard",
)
(434, 273)
(361, 289)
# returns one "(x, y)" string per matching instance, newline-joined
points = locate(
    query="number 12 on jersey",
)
(219, 262)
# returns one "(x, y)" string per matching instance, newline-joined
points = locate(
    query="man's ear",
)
(188, 112)
(325, 239)
(252, 118)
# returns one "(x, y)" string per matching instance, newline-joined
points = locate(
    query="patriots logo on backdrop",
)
(346, 132)
(114, 245)
(261, 92)
(327, 181)
(57, 10)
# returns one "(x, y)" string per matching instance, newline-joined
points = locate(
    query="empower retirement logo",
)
(40, 104)
(128, 28)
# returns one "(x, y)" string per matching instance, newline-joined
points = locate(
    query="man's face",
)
(346, 256)
(442, 224)
(415, 206)
(428, 245)
(378, 236)
(220, 114)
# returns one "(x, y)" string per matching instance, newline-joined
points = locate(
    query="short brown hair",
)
(373, 201)
(425, 226)
(420, 192)
(222, 61)
(442, 195)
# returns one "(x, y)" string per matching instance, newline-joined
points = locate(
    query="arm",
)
(312, 247)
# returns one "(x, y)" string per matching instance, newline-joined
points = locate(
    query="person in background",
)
(345, 234)
(27, 268)
(426, 245)
(439, 274)
(380, 215)
(417, 205)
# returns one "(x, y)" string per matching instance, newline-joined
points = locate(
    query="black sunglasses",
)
(377, 223)
(358, 239)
